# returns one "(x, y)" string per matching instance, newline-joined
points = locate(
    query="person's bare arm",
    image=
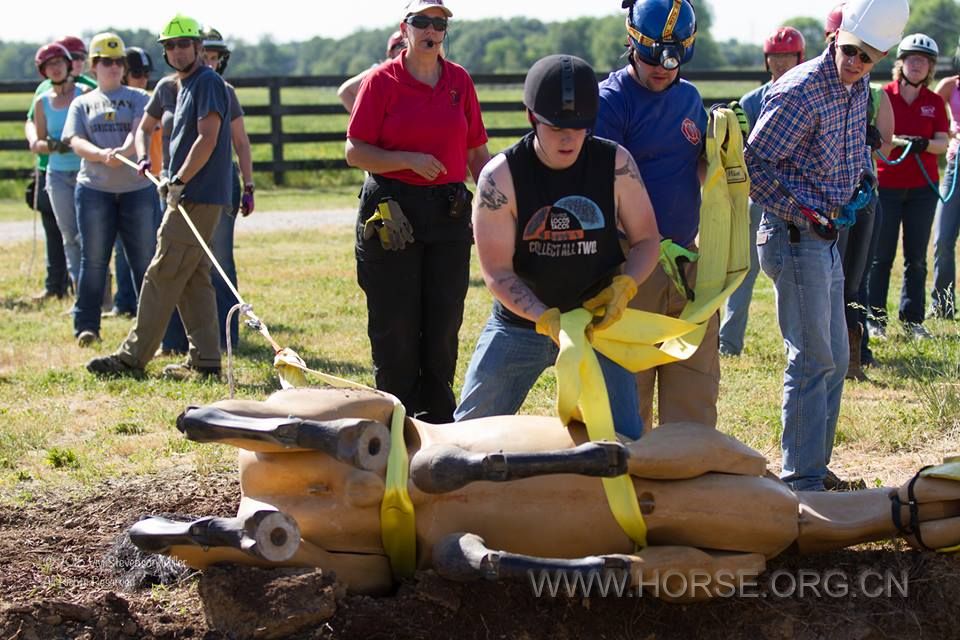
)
(36, 130)
(938, 143)
(636, 218)
(241, 145)
(208, 128)
(373, 159)
(347, 92)
(477, 159)
(495, 231)
(885, 123)
(143, 134)
(92, 153)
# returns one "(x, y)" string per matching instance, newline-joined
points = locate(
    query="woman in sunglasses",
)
(110, 198)
(347, 92)
(909, 198)
(416, 128)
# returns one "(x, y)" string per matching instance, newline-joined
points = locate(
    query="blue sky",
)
(746, 20)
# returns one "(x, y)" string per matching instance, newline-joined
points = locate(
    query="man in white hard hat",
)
(808, 162)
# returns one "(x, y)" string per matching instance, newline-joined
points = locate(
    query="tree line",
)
(500, 45)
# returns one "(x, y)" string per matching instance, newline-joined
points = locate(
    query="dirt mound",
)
(59, 579)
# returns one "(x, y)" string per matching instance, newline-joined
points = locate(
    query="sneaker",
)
(876, 330)
(833, 483)
(86, 338)
(186, 371)
(112, 366)
(917, 331)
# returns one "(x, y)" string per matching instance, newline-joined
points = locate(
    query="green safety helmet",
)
(181, 26)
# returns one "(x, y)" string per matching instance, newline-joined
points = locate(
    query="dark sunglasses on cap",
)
(178, 43)
(422, 22)
(400, 46)
(139, 73)
(109, 62)
(852, 51)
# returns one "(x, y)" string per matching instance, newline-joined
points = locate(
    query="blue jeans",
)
(807, 276)
(946, 227)
(125, 299)
(914, 210)
(101, 216)
(507, 362)
(60, 188)
(855, 244)
(737, 308)
(175, 339)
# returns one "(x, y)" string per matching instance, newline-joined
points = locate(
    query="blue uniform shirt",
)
(664, 132)
(752, 102)
(202, 93)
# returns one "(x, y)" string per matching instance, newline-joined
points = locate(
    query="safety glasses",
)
(422, 22)
(851, 51)
(109, 62)
(178, 43)
(139, 74)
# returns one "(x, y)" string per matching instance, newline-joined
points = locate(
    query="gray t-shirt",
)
(163, 103)
(105, 119)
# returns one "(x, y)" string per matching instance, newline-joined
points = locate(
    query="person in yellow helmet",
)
(199, 183)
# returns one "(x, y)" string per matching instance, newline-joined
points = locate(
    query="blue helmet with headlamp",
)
(661, 32)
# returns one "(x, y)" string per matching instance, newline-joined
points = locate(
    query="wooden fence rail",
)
(275, 110)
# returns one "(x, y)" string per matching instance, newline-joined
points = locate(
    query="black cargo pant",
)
(415, 299)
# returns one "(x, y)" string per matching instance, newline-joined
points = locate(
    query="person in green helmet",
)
(199, 183)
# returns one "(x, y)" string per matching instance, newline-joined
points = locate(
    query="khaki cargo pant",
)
(687, 390)
(178, 276)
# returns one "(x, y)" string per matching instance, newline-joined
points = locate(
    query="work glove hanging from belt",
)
(390, 224)
(608, 305)
(548, 324)
(918, 144)
(673, 257)
(741, 118)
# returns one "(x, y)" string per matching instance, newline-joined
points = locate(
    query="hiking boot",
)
(46, 296)
(833, 483)
(854, 368)
(86, 338)
(917, 331)
(187, 371)
(876, 330)
(112, 366)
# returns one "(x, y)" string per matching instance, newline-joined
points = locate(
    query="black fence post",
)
(276, 131)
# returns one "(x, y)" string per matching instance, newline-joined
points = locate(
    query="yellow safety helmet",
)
(106, 45)
(181, 26)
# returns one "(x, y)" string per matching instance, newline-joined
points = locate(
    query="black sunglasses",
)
(422, 22)
(179, 43)
(138, 74)
(851, 51)
(109, 62)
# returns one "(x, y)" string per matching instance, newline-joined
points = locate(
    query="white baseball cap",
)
(418, 6)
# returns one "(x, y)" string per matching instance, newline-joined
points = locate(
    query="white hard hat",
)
(878, 24)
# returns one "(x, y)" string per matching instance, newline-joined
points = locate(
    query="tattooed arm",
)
(495, 231)
(635, 217)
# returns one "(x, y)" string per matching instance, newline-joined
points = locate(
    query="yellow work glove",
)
(548, 324)
(671, 258)
(391, 225)
(608, 305)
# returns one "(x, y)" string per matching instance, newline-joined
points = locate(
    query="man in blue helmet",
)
(546, 225)
(660, 119)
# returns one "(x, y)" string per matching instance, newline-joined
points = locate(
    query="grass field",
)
(62, 428)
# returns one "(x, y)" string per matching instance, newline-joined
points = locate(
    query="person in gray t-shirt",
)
(111, 199)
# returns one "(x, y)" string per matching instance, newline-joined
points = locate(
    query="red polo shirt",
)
(397, 112)
(926, 117)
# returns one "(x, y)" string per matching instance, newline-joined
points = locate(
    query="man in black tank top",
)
(547, 224)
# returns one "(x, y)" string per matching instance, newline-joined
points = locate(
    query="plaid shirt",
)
(812, 133)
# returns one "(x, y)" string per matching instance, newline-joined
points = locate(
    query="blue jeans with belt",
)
(507, 362)
(807, 276)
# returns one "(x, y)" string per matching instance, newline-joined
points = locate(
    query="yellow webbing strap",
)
(398, 529)
(641, 340)
(948, 470)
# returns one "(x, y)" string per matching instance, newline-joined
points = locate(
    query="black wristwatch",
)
(177, 180)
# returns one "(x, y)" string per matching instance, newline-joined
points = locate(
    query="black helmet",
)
(561, 90)
(213, 41)
(139, 60)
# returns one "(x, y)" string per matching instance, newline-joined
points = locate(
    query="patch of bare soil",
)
(60, 578)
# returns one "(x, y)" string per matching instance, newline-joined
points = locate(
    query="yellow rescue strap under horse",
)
(641, 340)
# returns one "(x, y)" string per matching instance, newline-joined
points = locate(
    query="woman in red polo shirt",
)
(416, 129)
(908, 198)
